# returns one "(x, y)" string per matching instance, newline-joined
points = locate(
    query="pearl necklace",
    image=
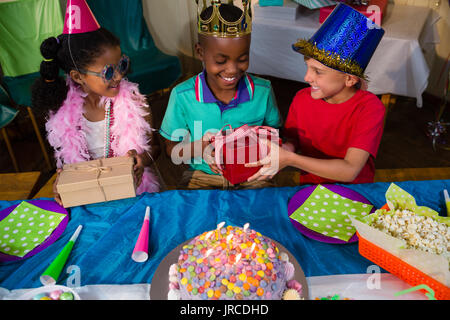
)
(109, 118)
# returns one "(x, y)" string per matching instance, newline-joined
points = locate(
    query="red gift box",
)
(241, 146)
(375, 11)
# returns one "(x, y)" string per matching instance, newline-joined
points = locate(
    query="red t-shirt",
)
(326, 131)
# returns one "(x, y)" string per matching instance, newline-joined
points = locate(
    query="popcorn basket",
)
(400, 268)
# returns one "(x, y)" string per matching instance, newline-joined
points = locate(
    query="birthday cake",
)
(232, 263)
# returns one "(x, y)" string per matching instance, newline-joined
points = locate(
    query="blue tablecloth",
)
(110, 230)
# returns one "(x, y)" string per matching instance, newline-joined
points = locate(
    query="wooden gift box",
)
(96, 181)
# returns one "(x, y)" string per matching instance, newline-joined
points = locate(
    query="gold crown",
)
(217, 26)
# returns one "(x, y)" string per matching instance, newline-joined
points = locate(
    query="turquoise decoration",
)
(345, 41)
(266, 3)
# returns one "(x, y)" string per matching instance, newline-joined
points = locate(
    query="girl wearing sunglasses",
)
(95, 112)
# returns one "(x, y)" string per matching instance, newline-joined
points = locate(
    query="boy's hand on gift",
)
(212, 164)
(276, 159)
(289, 146)
(56, 195)
(138, 167)
(208, 153)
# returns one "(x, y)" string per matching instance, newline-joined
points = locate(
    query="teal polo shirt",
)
(193, 110)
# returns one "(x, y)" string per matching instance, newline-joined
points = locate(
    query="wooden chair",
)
(7, 115)
(288, 178)
(412, 174)
(47, 190)
(10, 110)
(388, 101)
(17, 186)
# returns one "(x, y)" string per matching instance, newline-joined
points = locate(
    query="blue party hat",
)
(345, 41)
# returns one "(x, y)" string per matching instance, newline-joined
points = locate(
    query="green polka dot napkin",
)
(26, 227)
(326, 212)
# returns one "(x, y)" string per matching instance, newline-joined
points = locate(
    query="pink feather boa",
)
(66, 129)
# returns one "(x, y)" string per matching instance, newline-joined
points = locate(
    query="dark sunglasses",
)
(109, 70)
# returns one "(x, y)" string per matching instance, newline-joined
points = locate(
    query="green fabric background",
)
(24, 24)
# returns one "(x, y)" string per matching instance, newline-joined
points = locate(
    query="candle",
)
(447, 202)
(253, 248)
(251, 251)
(228, 243)
(219, 226)
(245, 231)
(208, 235)
(238, 257)
(208, 253)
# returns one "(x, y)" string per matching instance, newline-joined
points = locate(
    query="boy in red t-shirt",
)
(335, 125)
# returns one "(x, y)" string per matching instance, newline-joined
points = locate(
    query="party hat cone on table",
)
(447, 202)
(140, 252)
(51, 274)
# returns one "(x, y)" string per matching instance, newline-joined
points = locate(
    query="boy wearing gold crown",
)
(223, 93)
(336, 126)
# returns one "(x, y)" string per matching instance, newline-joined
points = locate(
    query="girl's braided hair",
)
(49, 91)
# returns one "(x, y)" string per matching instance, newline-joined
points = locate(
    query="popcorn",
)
(418, 232)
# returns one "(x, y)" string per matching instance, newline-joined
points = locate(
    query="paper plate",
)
(46, 205)
(47, 290)
(300, 197)
(160, 283)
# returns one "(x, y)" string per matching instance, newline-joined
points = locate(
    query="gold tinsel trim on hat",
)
(330, 59)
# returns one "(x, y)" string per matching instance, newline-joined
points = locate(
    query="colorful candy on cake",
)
(232, 263)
